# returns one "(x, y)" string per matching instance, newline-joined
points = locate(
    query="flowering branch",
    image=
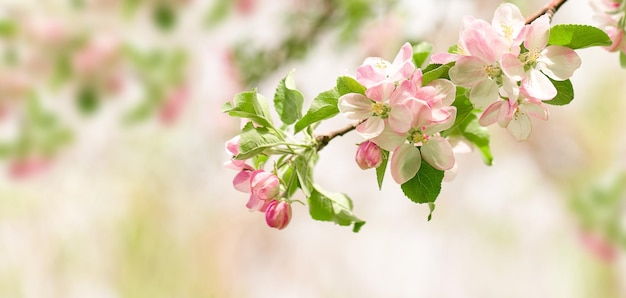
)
(550, 9)
(407, 114)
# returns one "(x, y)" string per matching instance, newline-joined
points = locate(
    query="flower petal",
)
(445, 91)
(483, 94)
(520, 127)
(368, 75)
(536, 110)
(241, 182)
(508, 21)
(559, 63)
(355, 106)
(400, 118)
(468, 71)
(512, 67)
(537, 85)
(405, 162)
(381, 92)
(437, 151)
(490, 115)
(389, 140)
(537, 33)
(371, 128)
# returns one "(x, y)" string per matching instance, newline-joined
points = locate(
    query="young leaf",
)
(380, 170)
(335, 207)
(578, 36)
(288, 100)
(436, 73)
(347, 85)
(421, 51)
(254, 140)
(304, 165)
(324, 106)
(250, 105)
(622, 59)
(565, 93)
(425, 186)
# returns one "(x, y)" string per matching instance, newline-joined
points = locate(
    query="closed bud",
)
(278, 214)
(368, 155)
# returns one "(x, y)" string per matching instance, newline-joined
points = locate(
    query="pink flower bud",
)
(368, 155)
(278, 214)
(264, 185)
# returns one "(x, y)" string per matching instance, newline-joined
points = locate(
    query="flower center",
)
(507, 30)
(418, 137)
(380, 109)
(493, 71)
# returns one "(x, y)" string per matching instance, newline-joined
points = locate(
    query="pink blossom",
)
(382, 105)
(541, 61)
(278, 214)
(423, 140)
(377, 70)
(368, 155)
(264, 187)
(241, 182)
(174, 103)
(28, 167)
(514, 115)
(98, 53)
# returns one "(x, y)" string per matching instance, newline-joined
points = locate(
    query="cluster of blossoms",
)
(508, 67)
(263, 187)
(611, 15)
(399, 115)
(500, 72)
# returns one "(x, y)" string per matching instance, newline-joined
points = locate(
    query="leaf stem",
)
(550, 9)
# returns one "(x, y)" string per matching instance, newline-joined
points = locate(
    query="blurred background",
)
(112, 147)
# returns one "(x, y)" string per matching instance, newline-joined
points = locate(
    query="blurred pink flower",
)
(173, 105)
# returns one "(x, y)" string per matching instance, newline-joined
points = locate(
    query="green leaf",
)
(250, 105)
(440, 72)
(8, 28)
(578, 36)
(164, 16)
(288, 100)
(478, 135)
(335, 207)
(347, 85)
(254, 140)
(421, 51)
(622, 59)
(565, 93)
(304, 165)
(87, 100)
(324, 106)
(380, 170)
(425, 186)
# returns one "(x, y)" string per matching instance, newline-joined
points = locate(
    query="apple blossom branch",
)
(550, 9)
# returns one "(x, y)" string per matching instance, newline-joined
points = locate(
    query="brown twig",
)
(549, 9)
(323, 140)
